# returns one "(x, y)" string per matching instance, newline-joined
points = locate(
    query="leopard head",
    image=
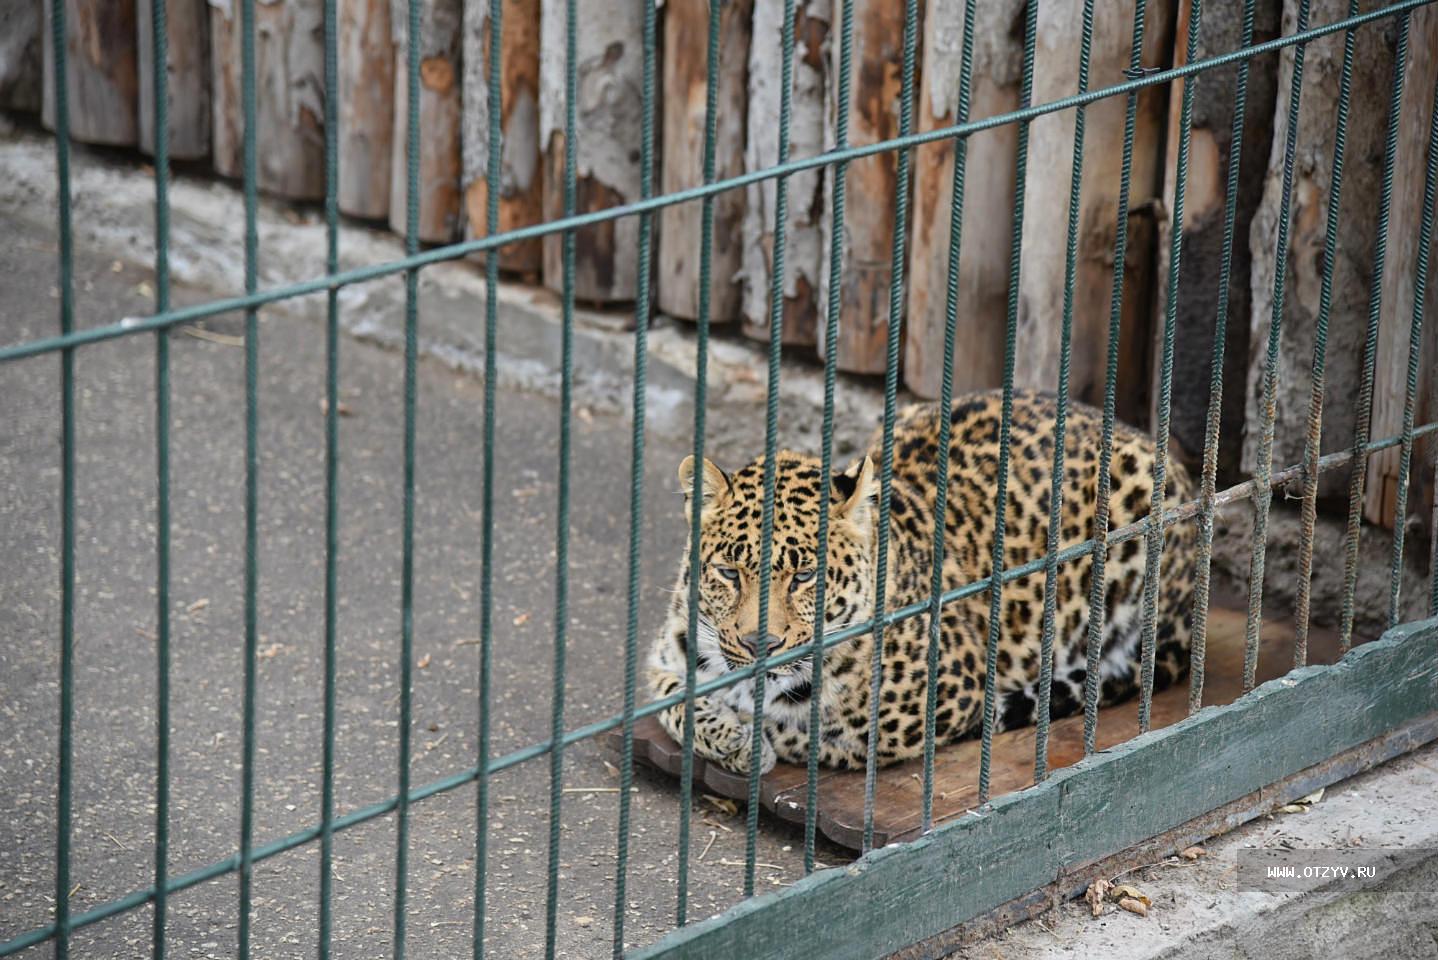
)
(731, 578)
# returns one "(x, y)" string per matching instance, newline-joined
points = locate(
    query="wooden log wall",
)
(686, 93)
(20, 57)
(806, 246)
(1041, 292)
(289, 79)
(188, 69)
(988, 198)
(1357, 233)
(870, 197)
(366, 107)
(1201, 265)
(608, 115)
(1390, 385)
(520, 178)
(439, 110)
(101, 71)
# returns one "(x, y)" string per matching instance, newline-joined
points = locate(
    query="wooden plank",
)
(100, 72)
(1110, 801)
(898, 792)
(439, 50)
(686, 24)
(988, 199)
(188, 55)
(1050, 163)
(366, 107)
(289, 92)
(1201, 266)
(870, 188)
(1391, 382)
(609, 122)
(1074, 881)
(1353, 260)
(20, 57)
(521, 201)
(805, 229)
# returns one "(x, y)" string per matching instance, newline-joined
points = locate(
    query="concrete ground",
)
(115, 621)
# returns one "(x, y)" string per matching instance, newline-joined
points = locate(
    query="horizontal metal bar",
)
(455, 251)
(1238, 492)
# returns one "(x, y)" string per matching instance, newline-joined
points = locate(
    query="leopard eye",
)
(728, 573)
(800, 578)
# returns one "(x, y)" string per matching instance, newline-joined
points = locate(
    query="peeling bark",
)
(188, 52)
(366, 107)
(439, 109)
(100, 68)
(521, 182)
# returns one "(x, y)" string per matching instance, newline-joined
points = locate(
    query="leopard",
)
(730, 581)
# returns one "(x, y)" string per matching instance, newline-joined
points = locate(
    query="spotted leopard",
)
(729, 586)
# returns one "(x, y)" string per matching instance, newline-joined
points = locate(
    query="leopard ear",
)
(715, 483)
(855, 492)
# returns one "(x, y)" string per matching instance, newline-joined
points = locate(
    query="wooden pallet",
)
(898, 792)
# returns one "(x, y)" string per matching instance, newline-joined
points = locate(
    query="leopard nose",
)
(751, 643)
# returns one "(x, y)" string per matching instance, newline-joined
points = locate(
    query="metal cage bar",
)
(1151, 528)
(891, 388)
(1098, 565)
(636, 476)
(771, 439)
(946, 402)
(1359, 475)
(1051, 569)
(1198, 640)
(826, 455)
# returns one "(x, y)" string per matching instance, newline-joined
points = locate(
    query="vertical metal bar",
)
(1097, 609)
(159, 48)
(826, 455)
(252, 466)
(771, 427)
(946, 402)
(636, 472)
(65, 771)
(493, 173)
(332, 473)
(892, 339)
(1313, 439)
(1263, 496)
(1415, 353)
(1361, 425)
(1153, 542)
(561, 534)
(1051, 565)
(1198, 644)
(696, 494)
(411, 355)
(1001, 482)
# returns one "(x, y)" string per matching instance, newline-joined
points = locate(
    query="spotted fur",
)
(729, 586)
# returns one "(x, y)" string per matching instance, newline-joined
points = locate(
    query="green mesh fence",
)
(250, 851)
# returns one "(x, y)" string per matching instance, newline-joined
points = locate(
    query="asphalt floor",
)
(115, 650)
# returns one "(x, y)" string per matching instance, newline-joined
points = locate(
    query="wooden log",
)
(289, 91)
(609, 116)
(1390, 385)
(686, 28)
(100, 71)
(1041, 292)
(520, 181)
(805, 249)
(366, 107)
(188, 55)
(1353, 260)
(870, 191)
(988, 199)
(439, 109)
(1201, 265)
(20, 57)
